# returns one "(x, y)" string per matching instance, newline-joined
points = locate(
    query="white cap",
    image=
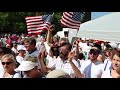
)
(83, 38)
(21, 47)
(26, 66)
(113, 45)
(119, 46)
(57, 74)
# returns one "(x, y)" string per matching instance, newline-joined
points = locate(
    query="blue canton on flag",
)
(72, 19)
(35, 24)
(77, 16)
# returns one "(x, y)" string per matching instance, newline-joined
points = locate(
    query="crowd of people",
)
(48, 56)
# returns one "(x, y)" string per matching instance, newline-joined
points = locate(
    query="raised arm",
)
(44, 69)
(75, 69)
(49, 35)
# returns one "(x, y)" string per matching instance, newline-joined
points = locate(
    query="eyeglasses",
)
(7, 63)
(94, 53)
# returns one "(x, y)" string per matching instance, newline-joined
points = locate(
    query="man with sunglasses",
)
(91, 68)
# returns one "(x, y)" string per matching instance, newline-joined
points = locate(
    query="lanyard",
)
(105, 66)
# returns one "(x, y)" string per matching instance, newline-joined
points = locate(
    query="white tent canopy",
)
(105, 28)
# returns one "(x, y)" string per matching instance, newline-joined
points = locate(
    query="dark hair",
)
(1, 51)
(117, 53)
(31, 41)
(97, 51)
(64, 39)
(6, 51)
(81, 56)
(66, 44)
(108, 46)
(98, 46)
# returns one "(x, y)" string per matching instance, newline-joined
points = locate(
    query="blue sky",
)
(95, 15)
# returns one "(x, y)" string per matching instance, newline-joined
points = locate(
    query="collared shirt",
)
(34, 53)
(65, 66)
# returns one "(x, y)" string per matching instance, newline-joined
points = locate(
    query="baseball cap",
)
(21, 47)
(113, 45)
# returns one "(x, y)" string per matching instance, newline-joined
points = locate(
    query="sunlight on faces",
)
(63, 51)
(28, 46)
(116, 62)
(8, 64)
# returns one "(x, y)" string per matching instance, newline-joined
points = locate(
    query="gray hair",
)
(9, 56)
(30, 58)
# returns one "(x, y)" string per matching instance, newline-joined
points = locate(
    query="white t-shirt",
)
(16, 75)
(65, 66)
(42, 47)
(19, 59)
(107, 64)
(50, 60)
(91, 70)
(106, 74)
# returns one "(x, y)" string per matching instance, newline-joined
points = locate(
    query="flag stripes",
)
(35, 24)
(71, 19)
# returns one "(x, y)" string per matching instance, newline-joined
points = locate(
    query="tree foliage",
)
(15, 21)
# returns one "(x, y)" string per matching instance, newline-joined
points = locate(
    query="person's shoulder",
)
(86, 62)
(17, 57)
(37, 43)
(17, 75)
(35, 52)
(106, 74)
(99, 63)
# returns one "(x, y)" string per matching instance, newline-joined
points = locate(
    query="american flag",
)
(72, 19)
(35, 24)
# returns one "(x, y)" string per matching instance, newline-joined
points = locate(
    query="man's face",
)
(42, 39)
(28, 46)
(116, 62)
(63, 51)
(93, 55)
(30, 73)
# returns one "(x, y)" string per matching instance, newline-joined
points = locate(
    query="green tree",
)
(15, 21)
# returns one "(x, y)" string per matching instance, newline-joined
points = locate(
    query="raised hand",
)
(40, 56)
(71, 56)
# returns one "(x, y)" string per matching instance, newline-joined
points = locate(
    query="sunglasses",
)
(94, 53)
(7, 63)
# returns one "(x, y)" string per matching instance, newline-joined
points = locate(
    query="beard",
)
(63, 55)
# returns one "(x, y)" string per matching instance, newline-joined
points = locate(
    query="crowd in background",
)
(48, 56)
